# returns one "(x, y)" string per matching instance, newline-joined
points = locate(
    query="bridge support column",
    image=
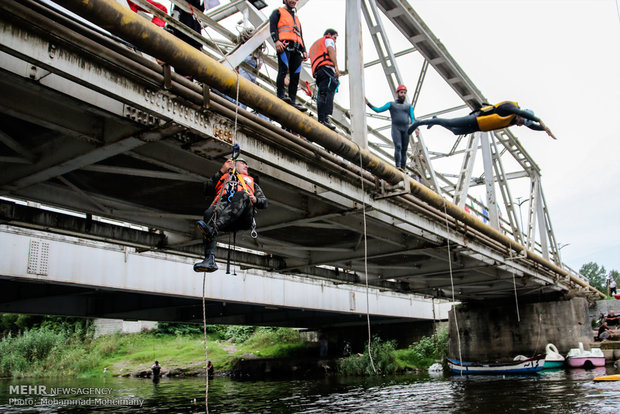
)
(494, 333)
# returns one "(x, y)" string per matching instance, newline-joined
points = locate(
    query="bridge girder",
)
(170, 139)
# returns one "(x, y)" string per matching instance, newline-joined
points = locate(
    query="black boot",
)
(208, 264)
(206, 230)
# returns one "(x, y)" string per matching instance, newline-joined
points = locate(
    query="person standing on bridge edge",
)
(488, 118)
(401, 113)
(287, 36)
(189, 20)
(323, 57)
(236, 195)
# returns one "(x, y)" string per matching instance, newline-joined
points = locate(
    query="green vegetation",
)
(425, 352)
(383, 359)
(65, 348)
(598, 276)
(41, 346)
(388, 360)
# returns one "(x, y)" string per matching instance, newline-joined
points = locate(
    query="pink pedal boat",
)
(579, 358)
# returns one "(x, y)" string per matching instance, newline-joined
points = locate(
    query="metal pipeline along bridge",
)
(99, 141)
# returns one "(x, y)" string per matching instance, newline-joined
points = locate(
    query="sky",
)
(560, 58)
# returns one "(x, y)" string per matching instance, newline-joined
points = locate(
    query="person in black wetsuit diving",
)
(488, 118)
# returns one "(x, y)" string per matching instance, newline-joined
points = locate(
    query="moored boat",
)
(525, 366)
(553, 359)
(578, 357)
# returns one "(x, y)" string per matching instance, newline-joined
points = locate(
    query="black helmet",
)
(330, 32)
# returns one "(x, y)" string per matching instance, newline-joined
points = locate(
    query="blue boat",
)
(525, 366)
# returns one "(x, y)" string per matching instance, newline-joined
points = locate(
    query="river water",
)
(556, 391)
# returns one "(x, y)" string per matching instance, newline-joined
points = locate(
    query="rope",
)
(514, 284)
(234, 138)
(372, 362)
(204, 330)
(456, 320)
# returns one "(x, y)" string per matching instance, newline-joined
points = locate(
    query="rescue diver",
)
(324, 61)
(287, 36)
(488, 118)
(401, 113)
(236, 197)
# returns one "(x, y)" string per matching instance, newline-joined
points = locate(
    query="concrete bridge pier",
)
(497, 333)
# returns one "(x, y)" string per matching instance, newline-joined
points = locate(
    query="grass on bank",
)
(43, 352)
(51, 351)
(386, 359)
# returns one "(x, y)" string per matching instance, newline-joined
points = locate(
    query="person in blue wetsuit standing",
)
(402, 115)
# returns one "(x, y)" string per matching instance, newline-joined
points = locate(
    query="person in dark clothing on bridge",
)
(488, 118)
(323, 56)
(287, 36)
(401, 113)
(236, 197)
(189, 20)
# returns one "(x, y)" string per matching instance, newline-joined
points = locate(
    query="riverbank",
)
(42, 352)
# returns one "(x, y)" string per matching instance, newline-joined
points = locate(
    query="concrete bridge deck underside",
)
(48, 273)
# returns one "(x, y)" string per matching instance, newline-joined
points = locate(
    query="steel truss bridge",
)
(101, 141)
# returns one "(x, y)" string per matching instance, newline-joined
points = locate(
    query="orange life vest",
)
(244, 183)
(489, 120)
(319, 56)
(289, 28)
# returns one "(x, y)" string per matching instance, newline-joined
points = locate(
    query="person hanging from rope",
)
(287, 36)
(401, 113)
(323, 57)
(488, 118)
(236, 196)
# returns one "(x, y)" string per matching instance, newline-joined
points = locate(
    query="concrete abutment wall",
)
(494, 332)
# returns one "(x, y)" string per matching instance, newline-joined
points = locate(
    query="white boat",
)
(523, 366)
(553, 359)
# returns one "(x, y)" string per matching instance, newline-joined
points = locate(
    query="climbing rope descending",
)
(514, 285)
(456, 320)
(372, 362)
(539, 334)
(204, 330)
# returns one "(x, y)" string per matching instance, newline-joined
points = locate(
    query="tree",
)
(596, 275)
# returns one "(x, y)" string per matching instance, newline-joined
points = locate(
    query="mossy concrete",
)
(496, 332)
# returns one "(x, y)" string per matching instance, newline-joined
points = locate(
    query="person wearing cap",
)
(488, 118)
(323, 58)
(236, 195)
(287, 36)
(401, 113)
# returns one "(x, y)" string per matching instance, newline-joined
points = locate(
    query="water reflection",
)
(556, 391)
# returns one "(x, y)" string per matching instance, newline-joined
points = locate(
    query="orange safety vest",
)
(245, 183)
(289, 28)
(319, 56)
(488, 120)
